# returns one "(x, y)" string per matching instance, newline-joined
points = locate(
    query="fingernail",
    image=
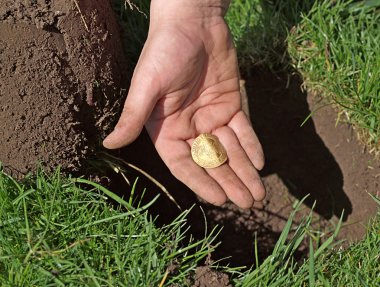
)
(108, 140)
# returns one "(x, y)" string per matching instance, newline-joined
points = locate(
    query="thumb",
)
(138, 106)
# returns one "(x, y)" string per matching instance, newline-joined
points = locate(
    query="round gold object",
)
(208, 152)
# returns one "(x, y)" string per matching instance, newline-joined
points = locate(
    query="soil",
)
(206, 277)
(62, 80)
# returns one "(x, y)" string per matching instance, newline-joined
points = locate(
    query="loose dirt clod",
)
(62, 81)
(206, 277)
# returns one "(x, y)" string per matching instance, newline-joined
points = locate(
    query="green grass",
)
(327, 264)
(280, 268)
(56, 231)
(260, 28)
(334, 45)
(336, 48)
(357, 265)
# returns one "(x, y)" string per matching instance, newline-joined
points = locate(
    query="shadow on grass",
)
(260, 29)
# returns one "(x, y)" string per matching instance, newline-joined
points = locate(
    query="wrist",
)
(188, 9)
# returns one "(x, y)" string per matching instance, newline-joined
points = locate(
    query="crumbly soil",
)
(62, 80)
(207, 277)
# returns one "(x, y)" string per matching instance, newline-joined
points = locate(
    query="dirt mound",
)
(62, 81)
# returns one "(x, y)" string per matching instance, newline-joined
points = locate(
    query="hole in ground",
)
(298, 162)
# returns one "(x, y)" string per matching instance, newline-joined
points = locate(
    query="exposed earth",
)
(63, 80)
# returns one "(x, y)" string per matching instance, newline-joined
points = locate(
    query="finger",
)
(177, 157)
(141, 99)
(240, 163)
(234, 188)
(248, 139)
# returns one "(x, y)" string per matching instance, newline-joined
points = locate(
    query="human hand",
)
(186, 83)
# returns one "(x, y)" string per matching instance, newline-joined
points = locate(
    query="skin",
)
(187, 83)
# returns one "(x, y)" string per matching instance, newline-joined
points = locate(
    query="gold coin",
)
(208, 152)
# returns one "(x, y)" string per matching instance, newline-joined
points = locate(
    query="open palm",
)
(187, 83)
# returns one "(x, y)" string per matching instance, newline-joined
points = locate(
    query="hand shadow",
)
(295, 153)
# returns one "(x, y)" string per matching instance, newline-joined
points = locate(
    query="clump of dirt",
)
(207, 277)
(62, 80)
